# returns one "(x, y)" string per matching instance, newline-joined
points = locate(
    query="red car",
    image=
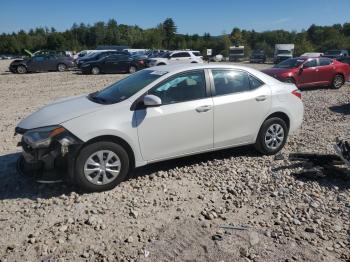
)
(304, 72)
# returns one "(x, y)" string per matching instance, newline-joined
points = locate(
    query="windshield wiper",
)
(93, 97)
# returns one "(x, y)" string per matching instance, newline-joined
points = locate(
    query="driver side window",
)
(181, 88)
(38, 58)
(310, 63)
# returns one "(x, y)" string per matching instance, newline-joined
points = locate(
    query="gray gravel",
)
(170, 211)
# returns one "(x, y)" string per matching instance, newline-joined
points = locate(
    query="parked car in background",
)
(83, 53)
(257, 56)
(337, 53)
(119, 48)
(42, 63)
(116, 63)
(177, 57)
(283, 52)
(217, 58)
(306, 72)
(236, 53)
(312, 54)
(131, 123)
(344, 59)
(96, 55)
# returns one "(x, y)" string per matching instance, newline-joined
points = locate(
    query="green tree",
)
(170, 29)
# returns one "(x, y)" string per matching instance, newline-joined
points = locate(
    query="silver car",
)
(160, 113)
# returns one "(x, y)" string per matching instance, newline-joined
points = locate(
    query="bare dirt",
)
(172, 211)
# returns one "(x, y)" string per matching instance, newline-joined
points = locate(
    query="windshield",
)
(283, 52)
(236, 51)
(126, 87)
(333, 52)
(290, 63)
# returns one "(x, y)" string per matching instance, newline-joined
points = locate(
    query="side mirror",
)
(152, 101)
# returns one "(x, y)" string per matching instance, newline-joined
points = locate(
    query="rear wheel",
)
(338, 81)
(160, 64)
(95, 70)
(101, 166)
(132, 69)
(272, 136)
(61, 67)
(21, 69)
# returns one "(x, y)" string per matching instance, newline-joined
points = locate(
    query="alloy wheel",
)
(274, 136)
(338, 81)
(102, 167)
(95, 70)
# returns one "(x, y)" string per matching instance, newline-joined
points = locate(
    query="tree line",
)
(165, 36)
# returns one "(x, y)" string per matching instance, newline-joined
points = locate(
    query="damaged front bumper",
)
(55, 149)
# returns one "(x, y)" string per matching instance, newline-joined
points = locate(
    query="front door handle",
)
(260, 98)
(203, 109)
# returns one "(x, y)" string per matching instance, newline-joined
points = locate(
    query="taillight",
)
(141, 62)
(297, 93)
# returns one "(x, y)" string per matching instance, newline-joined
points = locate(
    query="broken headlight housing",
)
(42, 137)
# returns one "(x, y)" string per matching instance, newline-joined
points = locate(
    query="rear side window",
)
(230, 81)
(254, 82)
(325, 61)
(182, 54)
(197, 53)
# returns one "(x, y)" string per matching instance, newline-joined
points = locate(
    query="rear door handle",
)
(260, 98)
(203, 109)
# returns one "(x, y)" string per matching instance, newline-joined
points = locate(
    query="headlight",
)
(42, 137)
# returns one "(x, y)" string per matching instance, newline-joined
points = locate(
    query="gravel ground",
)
(170, 211)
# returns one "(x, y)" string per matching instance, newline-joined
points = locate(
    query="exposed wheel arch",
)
(281, 115)
(117, 140)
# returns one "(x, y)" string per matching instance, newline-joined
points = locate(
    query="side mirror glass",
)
(152, 101)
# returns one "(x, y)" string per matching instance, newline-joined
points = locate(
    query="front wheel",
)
(101, 166)
(272, 136)
(21, 69)
(289, 80)
(95, 70)
(61, 67)
(338, 81)
(132, 69)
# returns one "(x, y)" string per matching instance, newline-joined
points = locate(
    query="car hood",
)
(60, 111)
(18, 61)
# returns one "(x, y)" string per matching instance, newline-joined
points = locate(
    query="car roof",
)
(179, 68)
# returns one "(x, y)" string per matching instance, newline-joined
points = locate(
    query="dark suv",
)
(258, 56)
(41, 63)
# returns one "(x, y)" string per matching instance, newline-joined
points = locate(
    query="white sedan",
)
(160, 113)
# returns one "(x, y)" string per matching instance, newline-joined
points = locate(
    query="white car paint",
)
(179, 129)
(177, 57)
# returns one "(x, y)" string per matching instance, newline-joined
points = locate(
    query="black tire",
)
(61, 67)
(338, 81)
(79, 176)
(260, 143)
(132, 69)
(95, 70)
(160, 64)
(21, 69)
(290, 80)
